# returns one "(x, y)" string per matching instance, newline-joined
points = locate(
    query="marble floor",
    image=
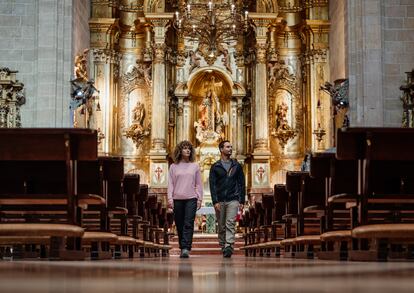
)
(206, 274)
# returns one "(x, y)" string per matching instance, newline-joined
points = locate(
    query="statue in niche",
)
(283, 131)
(281, 116)
(211, 120)
(137, 132)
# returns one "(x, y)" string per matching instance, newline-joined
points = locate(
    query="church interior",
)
(315, 96)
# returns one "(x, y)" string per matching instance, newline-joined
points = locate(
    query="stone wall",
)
(80, 25)
(36, 38)
(398, 54)
(337, 45)
(380, 44)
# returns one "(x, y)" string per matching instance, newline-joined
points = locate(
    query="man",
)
(227, 187)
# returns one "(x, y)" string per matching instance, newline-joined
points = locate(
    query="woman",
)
(185, 193)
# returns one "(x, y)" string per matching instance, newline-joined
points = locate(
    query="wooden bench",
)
(63, 147)
(385, 161)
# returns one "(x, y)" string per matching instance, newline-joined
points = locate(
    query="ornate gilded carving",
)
(137, 131)
(194, 61)
(281, 74)
(261, 53)
(81, 70)
(140, 75)
(12, 97)
(211, 119)
(283, 131)
(408, 100)
(159, 53)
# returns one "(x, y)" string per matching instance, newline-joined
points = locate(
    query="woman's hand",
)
(198, 205)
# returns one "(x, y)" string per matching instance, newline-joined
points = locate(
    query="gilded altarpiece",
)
(260, 91)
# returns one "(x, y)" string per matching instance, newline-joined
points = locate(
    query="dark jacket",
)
(227, 186)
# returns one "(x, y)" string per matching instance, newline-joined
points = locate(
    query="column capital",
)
(160, 22)
(262, 22)
(159, 52)
(261, 53)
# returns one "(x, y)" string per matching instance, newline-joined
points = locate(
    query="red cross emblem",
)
(158, 172)
(260, 173)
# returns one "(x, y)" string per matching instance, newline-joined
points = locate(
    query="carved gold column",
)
(261, 153)
(240, 132)
(158, 152)
(180, 120)
(104, 70)
(287, 91)
(317, 56)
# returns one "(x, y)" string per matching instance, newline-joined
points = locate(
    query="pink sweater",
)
(184, 182)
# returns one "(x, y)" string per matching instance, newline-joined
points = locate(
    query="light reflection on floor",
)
(206, 274)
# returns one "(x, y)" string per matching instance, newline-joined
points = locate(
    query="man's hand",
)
(198, 205)
(217, 207)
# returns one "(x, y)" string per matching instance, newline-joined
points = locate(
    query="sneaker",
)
(184, 253)
(227, 252)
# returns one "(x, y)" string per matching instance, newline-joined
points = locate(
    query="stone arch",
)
(196, 79)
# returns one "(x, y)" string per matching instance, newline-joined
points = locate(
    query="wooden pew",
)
(132, 191)
(293, 187)
(385, 161)
(341, 183)
(65, 147)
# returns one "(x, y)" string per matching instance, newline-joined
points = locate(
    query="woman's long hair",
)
(179, 147)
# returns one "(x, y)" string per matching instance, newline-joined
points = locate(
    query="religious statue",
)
(281, 114)
(226, 60)
(137, 132)
(138, 114)
(211, 120)
(194, 61)
(283, 131)
(80, 70)
(278, 71)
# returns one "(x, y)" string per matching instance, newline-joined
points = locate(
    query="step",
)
(206, 251)
(207, 244)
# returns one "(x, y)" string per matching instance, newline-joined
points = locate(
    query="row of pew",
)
(60, 201)
(356, 203)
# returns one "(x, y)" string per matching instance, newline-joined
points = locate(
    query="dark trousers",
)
(184, 214)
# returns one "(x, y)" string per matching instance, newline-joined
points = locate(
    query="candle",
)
(210, 6)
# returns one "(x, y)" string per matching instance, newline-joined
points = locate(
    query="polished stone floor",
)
(206, 274)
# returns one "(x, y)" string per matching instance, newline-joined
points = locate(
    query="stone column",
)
(240, 132)
(261, 123)
(180, 120)
(158, 137)
(105, 70)
(261, 153)
(158, 152)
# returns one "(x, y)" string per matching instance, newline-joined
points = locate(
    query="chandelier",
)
(211, 24)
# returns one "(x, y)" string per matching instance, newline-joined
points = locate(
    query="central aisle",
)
(205, 274)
